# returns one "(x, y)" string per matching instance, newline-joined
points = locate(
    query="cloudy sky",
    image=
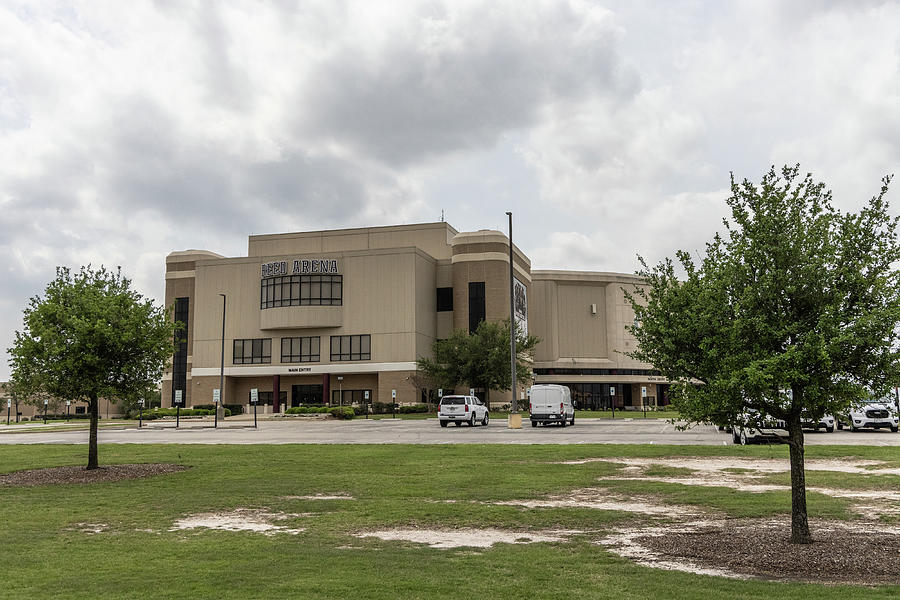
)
(609, 128)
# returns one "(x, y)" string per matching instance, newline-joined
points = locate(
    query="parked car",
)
(549, 403)
(463, 409)
(826, 423)
(874, 413)
(752, 427)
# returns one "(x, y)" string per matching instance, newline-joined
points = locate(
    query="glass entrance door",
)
(306, 395)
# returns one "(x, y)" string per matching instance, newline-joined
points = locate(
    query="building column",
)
(326, 389)
(276, 393)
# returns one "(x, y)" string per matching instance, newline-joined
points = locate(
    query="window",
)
(350, 397)
(266, 397)
(476, 304)
(256, 351)
(351, 347)
(300, 349)
(444, 299)
(301, 290)
(179, 361)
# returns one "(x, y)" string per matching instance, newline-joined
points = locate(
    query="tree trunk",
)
(92, 438)
(799, 523)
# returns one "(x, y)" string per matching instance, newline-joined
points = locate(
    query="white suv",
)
(462, 409)
(874, 414)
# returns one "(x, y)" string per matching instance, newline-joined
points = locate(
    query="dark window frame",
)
(301, 290)
(259, 351)
(476, 304)
(351, 347)
(301, 349)
(444, 298)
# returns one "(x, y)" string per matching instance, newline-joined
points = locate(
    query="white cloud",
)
(128, 130)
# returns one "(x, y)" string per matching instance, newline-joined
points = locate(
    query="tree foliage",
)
(91, 336)
(480, 359)
(791, 314)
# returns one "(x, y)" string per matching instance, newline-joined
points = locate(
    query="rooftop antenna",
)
(442, 215)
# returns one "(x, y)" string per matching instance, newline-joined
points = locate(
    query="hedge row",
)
(338, 412)
(158, 413)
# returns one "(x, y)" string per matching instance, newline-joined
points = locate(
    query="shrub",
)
(236, 409)
(381, 408)
(307, 410)
(413, 408)
(342, 412)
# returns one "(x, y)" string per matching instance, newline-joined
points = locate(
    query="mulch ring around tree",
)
(842, 552)
(78, 474)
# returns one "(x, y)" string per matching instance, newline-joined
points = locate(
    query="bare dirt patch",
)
(466, 538)
(856, 553)
(320, 497)
(64, 475)
(241, 519)
(716, 464)
(601, 499)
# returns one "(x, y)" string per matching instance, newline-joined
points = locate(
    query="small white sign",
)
(141, 402)
(366, 394)
(254, 395)
(179, 394)
(393, 394)
(612, 390)
(440, 392)
(68, 403)
(643, 391)
(46, 402)
(217, 395)
(8, 403)
(471, 391)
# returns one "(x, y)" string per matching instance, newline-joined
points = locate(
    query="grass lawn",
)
(45, 552)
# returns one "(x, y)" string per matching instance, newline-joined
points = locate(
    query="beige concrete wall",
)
(432, 238)
(383, 292)
(582, 333)
(572, 337)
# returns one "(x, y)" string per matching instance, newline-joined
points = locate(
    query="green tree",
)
(791, 315)
(480, 359)
(91, 336)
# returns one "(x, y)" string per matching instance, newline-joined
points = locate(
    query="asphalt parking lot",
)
(397, 431)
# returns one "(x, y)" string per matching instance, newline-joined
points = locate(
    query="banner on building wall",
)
(520, 304)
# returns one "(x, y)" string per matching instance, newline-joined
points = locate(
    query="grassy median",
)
(118, 540)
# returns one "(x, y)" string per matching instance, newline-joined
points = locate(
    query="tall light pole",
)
(221, 369)
(514, 422)
(340, 391)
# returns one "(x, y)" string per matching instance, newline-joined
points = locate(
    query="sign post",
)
(68, 404)
(254, 400)
(644, 399)
(366, 403)
(46, 403)
(612, 399)
(140, 413)
(393, 404)
(8, 405)
(179, 394)
(217, 396)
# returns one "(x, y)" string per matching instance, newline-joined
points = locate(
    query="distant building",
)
(334, 316)
(55, 406)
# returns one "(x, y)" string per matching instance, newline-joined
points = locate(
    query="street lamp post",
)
(340, 391)
(221, 370)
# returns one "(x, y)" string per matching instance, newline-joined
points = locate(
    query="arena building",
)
(341, 316)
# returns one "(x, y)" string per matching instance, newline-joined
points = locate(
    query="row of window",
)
(301, 290)
(302, 349)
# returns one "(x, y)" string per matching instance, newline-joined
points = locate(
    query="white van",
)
(551, 404)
